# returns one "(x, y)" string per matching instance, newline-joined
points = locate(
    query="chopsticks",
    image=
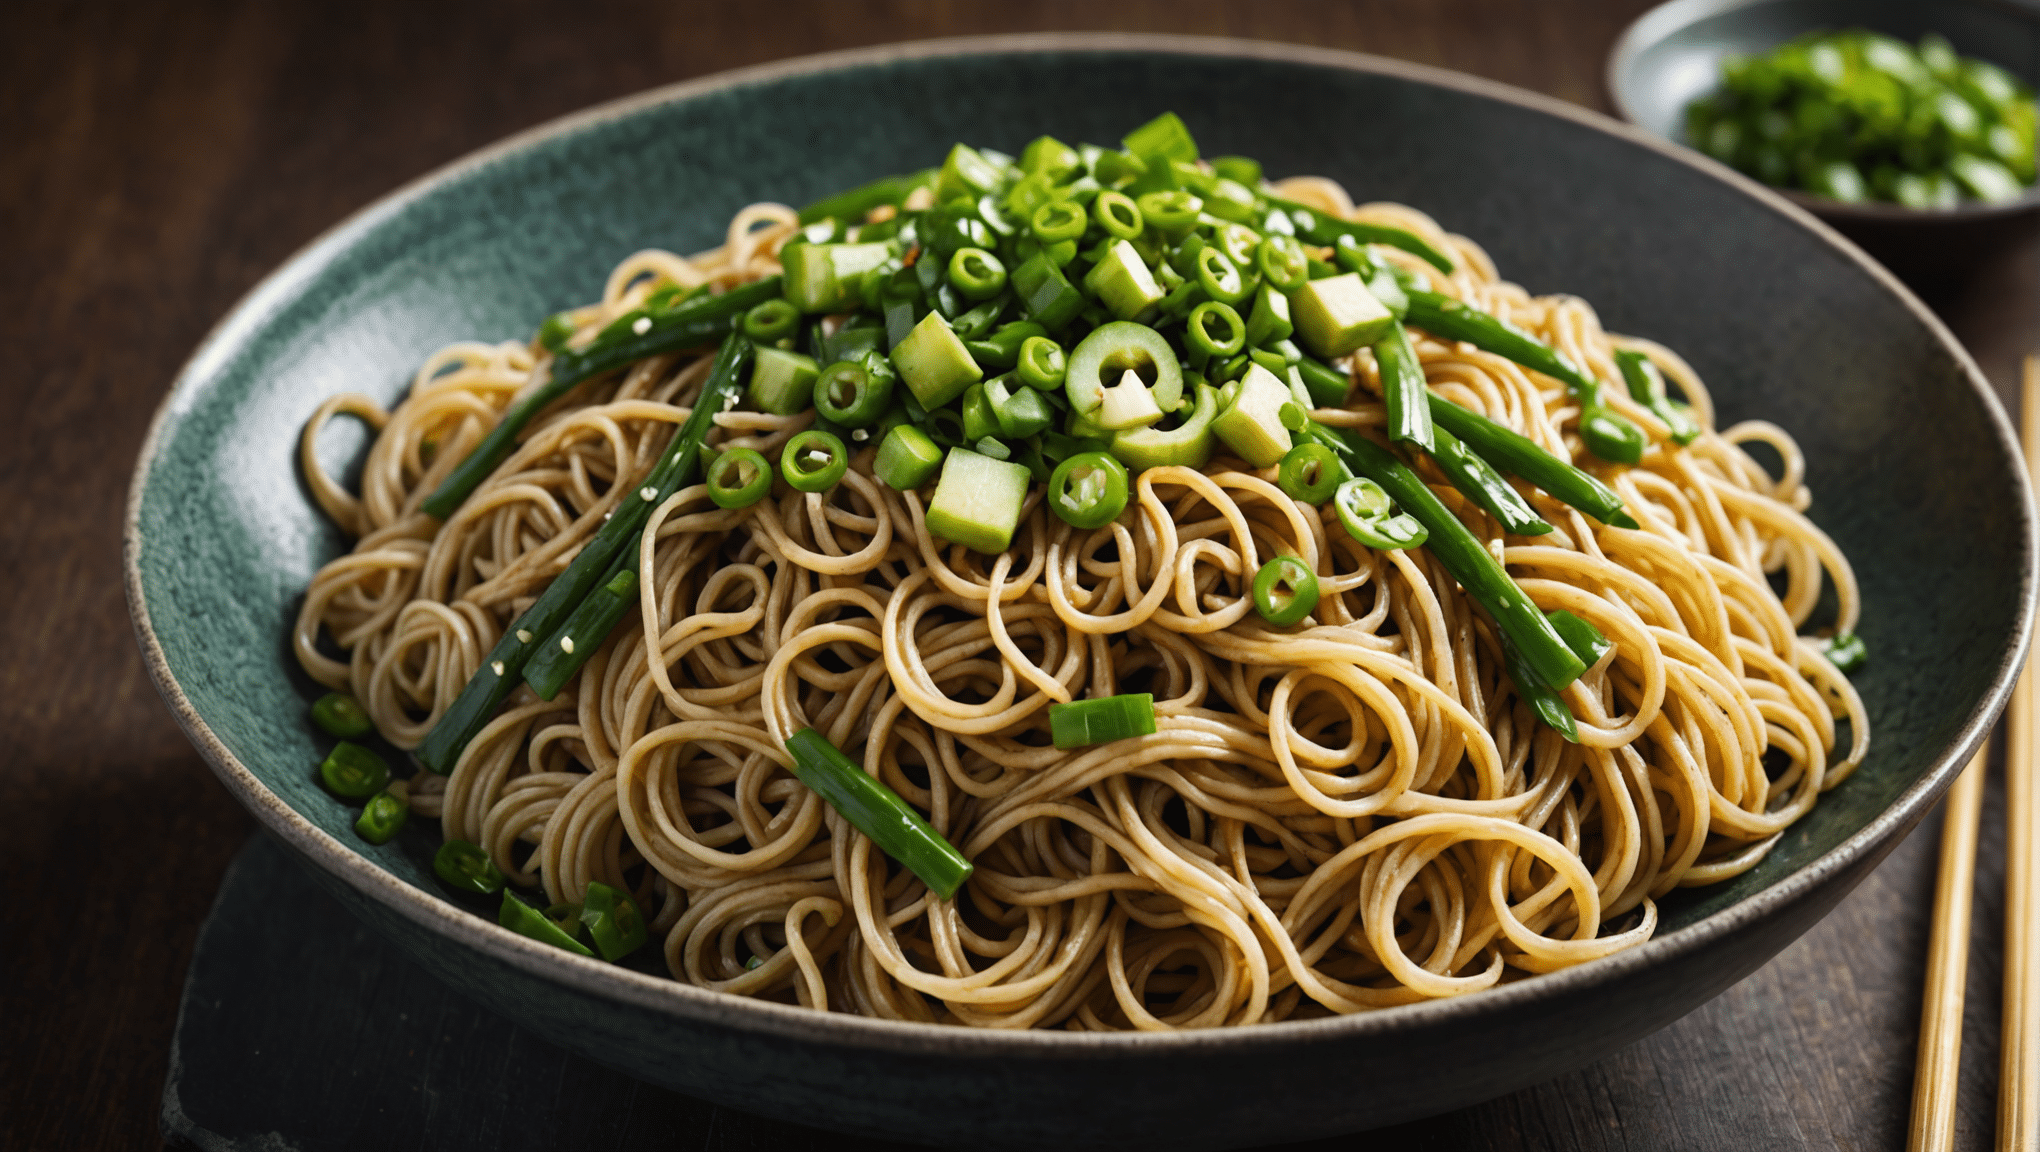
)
(2018, 1069)
(1934, 1080)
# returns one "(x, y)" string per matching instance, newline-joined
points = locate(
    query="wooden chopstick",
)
(1940, 1059)
(2018, 1069)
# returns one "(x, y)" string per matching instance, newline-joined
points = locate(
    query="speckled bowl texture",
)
(1912, 464)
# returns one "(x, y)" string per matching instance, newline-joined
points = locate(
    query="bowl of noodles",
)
(1336, 865)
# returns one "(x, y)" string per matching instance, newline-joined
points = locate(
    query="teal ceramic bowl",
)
(1912, 461)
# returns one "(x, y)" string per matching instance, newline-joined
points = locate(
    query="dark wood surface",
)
(160, 159)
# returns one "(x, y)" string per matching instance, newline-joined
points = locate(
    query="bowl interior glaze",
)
(1784, 323)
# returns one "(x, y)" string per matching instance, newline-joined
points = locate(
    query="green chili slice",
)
(739, 478)
(854, 395)
(1059, 220)
(1171, 213)
(1285, 591)
(341, 715)
(773, 320)
(1088, 490)
(467, 867)
(1310, 473)
(1227, 340)
(814, 461)
(1041, 364)
(1282, 261)
(1117, 214)
(1220, 277)
(1367, 512)
(977, 273)
(354, 772)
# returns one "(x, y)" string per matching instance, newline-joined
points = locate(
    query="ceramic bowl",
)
(1672, 55)
(1912, 462)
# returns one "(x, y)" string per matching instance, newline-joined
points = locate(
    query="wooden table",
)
(161, 159)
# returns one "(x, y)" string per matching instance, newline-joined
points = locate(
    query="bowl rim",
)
(1654, 26)
(663, 995)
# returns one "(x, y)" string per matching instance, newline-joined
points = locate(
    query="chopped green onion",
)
(1846, 651)
(382, 817)
(814, 461)
(1081, 723)
(878, 812)
(341, 715)
(1219, 276)
(526, 920)
(560, 655)
(1285, 591)
(739, 478)
(782, 382)
(1545, 702)
(1283, 263)
(1171, 213)
(1610, 436)
(1057, 221)
(612, 919)
(556, 331)
(353, 772)
(1583, 638)
(467, 867)
(977, 502)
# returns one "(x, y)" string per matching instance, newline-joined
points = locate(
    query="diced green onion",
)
(1610, 436)
(814, 461)
(1081, 723)
(612, 920)
(977, 502)
(1165, 136)
(1310, 473)
(382, 817)
(1021, 411)
(341, 715)
(878, 812)
(526, 920)
(353, 772)
(467, 867)
(739, 478)
(782, 382)
(1243, 169)
(1088, 490)
(1846, 651)
(907, 459)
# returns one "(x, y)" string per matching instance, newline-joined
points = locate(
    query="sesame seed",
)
(648, 493)
(496, 667)
(567, 644)
(524, 636)
(860, 434)
(642, 325)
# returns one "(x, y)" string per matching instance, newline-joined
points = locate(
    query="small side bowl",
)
(1672, 55)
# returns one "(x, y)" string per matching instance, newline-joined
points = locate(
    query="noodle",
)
(1347, 816)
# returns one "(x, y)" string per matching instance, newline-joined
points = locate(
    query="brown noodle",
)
(1347, 815)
